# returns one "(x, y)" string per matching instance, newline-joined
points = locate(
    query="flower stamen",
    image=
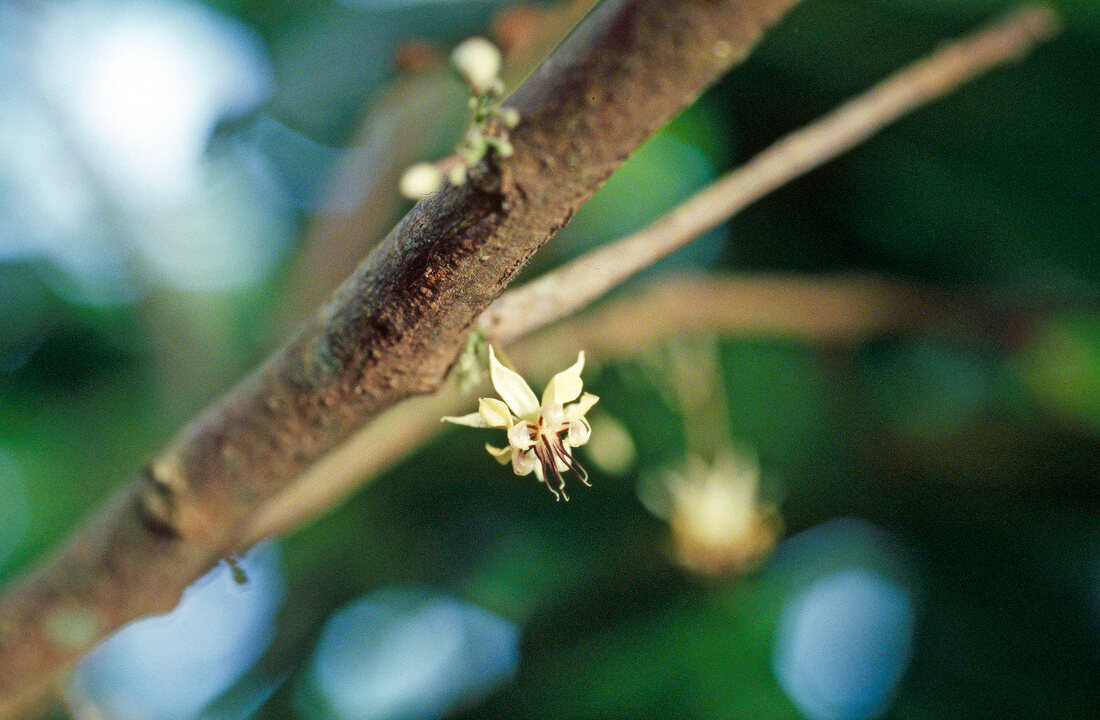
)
(546, 455)
(571, 462)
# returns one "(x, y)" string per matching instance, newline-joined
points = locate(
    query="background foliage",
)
(939, 490)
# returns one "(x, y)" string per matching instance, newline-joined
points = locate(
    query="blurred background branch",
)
(577, 284)
(843, 311)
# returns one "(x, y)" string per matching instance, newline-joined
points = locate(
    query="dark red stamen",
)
(549, 450)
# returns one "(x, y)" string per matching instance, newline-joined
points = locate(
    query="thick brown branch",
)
(406, 121)
(390, 331)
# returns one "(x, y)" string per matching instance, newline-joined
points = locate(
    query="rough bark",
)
(392, 330)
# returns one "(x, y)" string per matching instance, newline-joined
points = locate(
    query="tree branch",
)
(392, 330)
(363, 199)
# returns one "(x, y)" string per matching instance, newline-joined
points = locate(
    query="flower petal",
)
(579, 431)
(495, 413)
(582, 406)
(519, 436)
(524, 462)
(566, 385)
(471, 420)
(502, 455)
(513, 388)
(552, 416)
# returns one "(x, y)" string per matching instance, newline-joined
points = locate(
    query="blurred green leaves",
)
(976, 455)
(1061, 368)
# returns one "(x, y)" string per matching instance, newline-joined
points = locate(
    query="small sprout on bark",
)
(474, 147)
(457, 175)
(236, 570)
(541, 435)
(478, 61)
(503, 147)
(509, 117)
(472, 363)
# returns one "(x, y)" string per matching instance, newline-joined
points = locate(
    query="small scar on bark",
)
(507, 185)
(156, 503)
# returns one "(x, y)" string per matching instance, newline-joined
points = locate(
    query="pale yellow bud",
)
(457, 175)
(420, 180)
(509, 117)
(478, 61)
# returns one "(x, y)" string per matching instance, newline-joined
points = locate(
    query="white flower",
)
(541, 436)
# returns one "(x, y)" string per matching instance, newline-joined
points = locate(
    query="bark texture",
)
(390, 331)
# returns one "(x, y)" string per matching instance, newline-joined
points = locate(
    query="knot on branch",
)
(159, 497)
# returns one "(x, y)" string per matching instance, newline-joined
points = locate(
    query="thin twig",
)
(576, 284)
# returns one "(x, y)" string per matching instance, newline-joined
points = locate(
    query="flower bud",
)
(478, 61)
(457, 175)
(420, 180)
(509, 117)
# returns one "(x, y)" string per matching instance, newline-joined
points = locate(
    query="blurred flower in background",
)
(169, 667)
(719, 522)
(410, 654)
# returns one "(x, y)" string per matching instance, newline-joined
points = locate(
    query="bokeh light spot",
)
(169, 667)
(409, 654)
(844, 643)
(142, 85)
